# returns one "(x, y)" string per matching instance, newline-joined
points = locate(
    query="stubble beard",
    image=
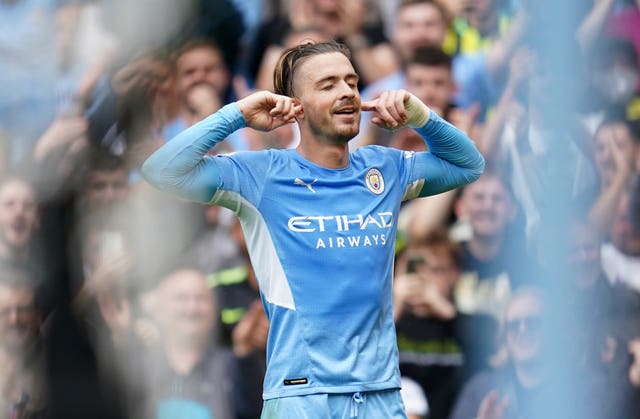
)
(335, 133)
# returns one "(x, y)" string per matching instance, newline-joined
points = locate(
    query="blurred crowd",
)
(119, 301)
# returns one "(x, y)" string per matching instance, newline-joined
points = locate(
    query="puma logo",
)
(301, 182)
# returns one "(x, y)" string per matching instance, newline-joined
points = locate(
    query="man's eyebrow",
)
(351, 76)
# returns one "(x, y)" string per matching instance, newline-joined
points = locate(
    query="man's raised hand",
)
(397, 108)
(265, 111)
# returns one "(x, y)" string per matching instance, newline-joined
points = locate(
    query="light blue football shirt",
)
(321, 242)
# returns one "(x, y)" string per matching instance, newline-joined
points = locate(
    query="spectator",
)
(478, 23)
(617, 158)
(621, 253)
(494, 261)
(610, 309)
(419, 23)
(481, 74)
(187, 378)
(426, 70)
(19, 221)
(23, 388)
(203, 83)
(429, 76)
(426, 319)
(614, 74)
(145, 103)
(106, 182)
(524, 341)
(523, 386)
(200, 63)
(244, 325)
(519, 139)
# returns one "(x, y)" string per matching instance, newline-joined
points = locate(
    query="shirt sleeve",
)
(181, 167)
(452, 160)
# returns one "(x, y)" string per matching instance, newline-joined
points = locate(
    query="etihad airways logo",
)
(356, 230)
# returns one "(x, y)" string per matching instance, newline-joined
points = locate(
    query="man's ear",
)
(299, 115)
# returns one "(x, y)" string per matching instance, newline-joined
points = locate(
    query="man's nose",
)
(347, 90)
(110, 193)
(200, 75)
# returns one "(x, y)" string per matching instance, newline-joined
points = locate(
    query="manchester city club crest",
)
(374, 181)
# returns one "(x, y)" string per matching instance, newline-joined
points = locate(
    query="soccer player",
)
(320, 225)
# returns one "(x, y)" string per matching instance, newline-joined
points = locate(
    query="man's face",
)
(523, 324)
(19, 318)
(18, 214)
(418, 25)
(617, 134)
(327, 87)
(106, 187)
(584, 254)
(187, 306)
(433, 85)
(435, 265)
(488, 206)
(201, 65)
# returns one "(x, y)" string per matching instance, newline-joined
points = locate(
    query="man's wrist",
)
(418, 113)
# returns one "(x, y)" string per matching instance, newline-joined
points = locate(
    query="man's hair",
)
(438, 238)
(18, 176)
(443, 12)
(430, 56)
(632, 126)
(195, 43)
(290, 59)
(102, 160)
(609, 49)
(500, 176)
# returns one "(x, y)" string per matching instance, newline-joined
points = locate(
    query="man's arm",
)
(180, 166)
(452, 160)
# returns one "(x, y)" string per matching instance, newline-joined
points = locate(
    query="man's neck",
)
(183, 356)
(529, 374)
(331, 156)
(485, 247)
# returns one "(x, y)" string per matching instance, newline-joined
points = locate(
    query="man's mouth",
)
(347, 110)
(19, 227)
